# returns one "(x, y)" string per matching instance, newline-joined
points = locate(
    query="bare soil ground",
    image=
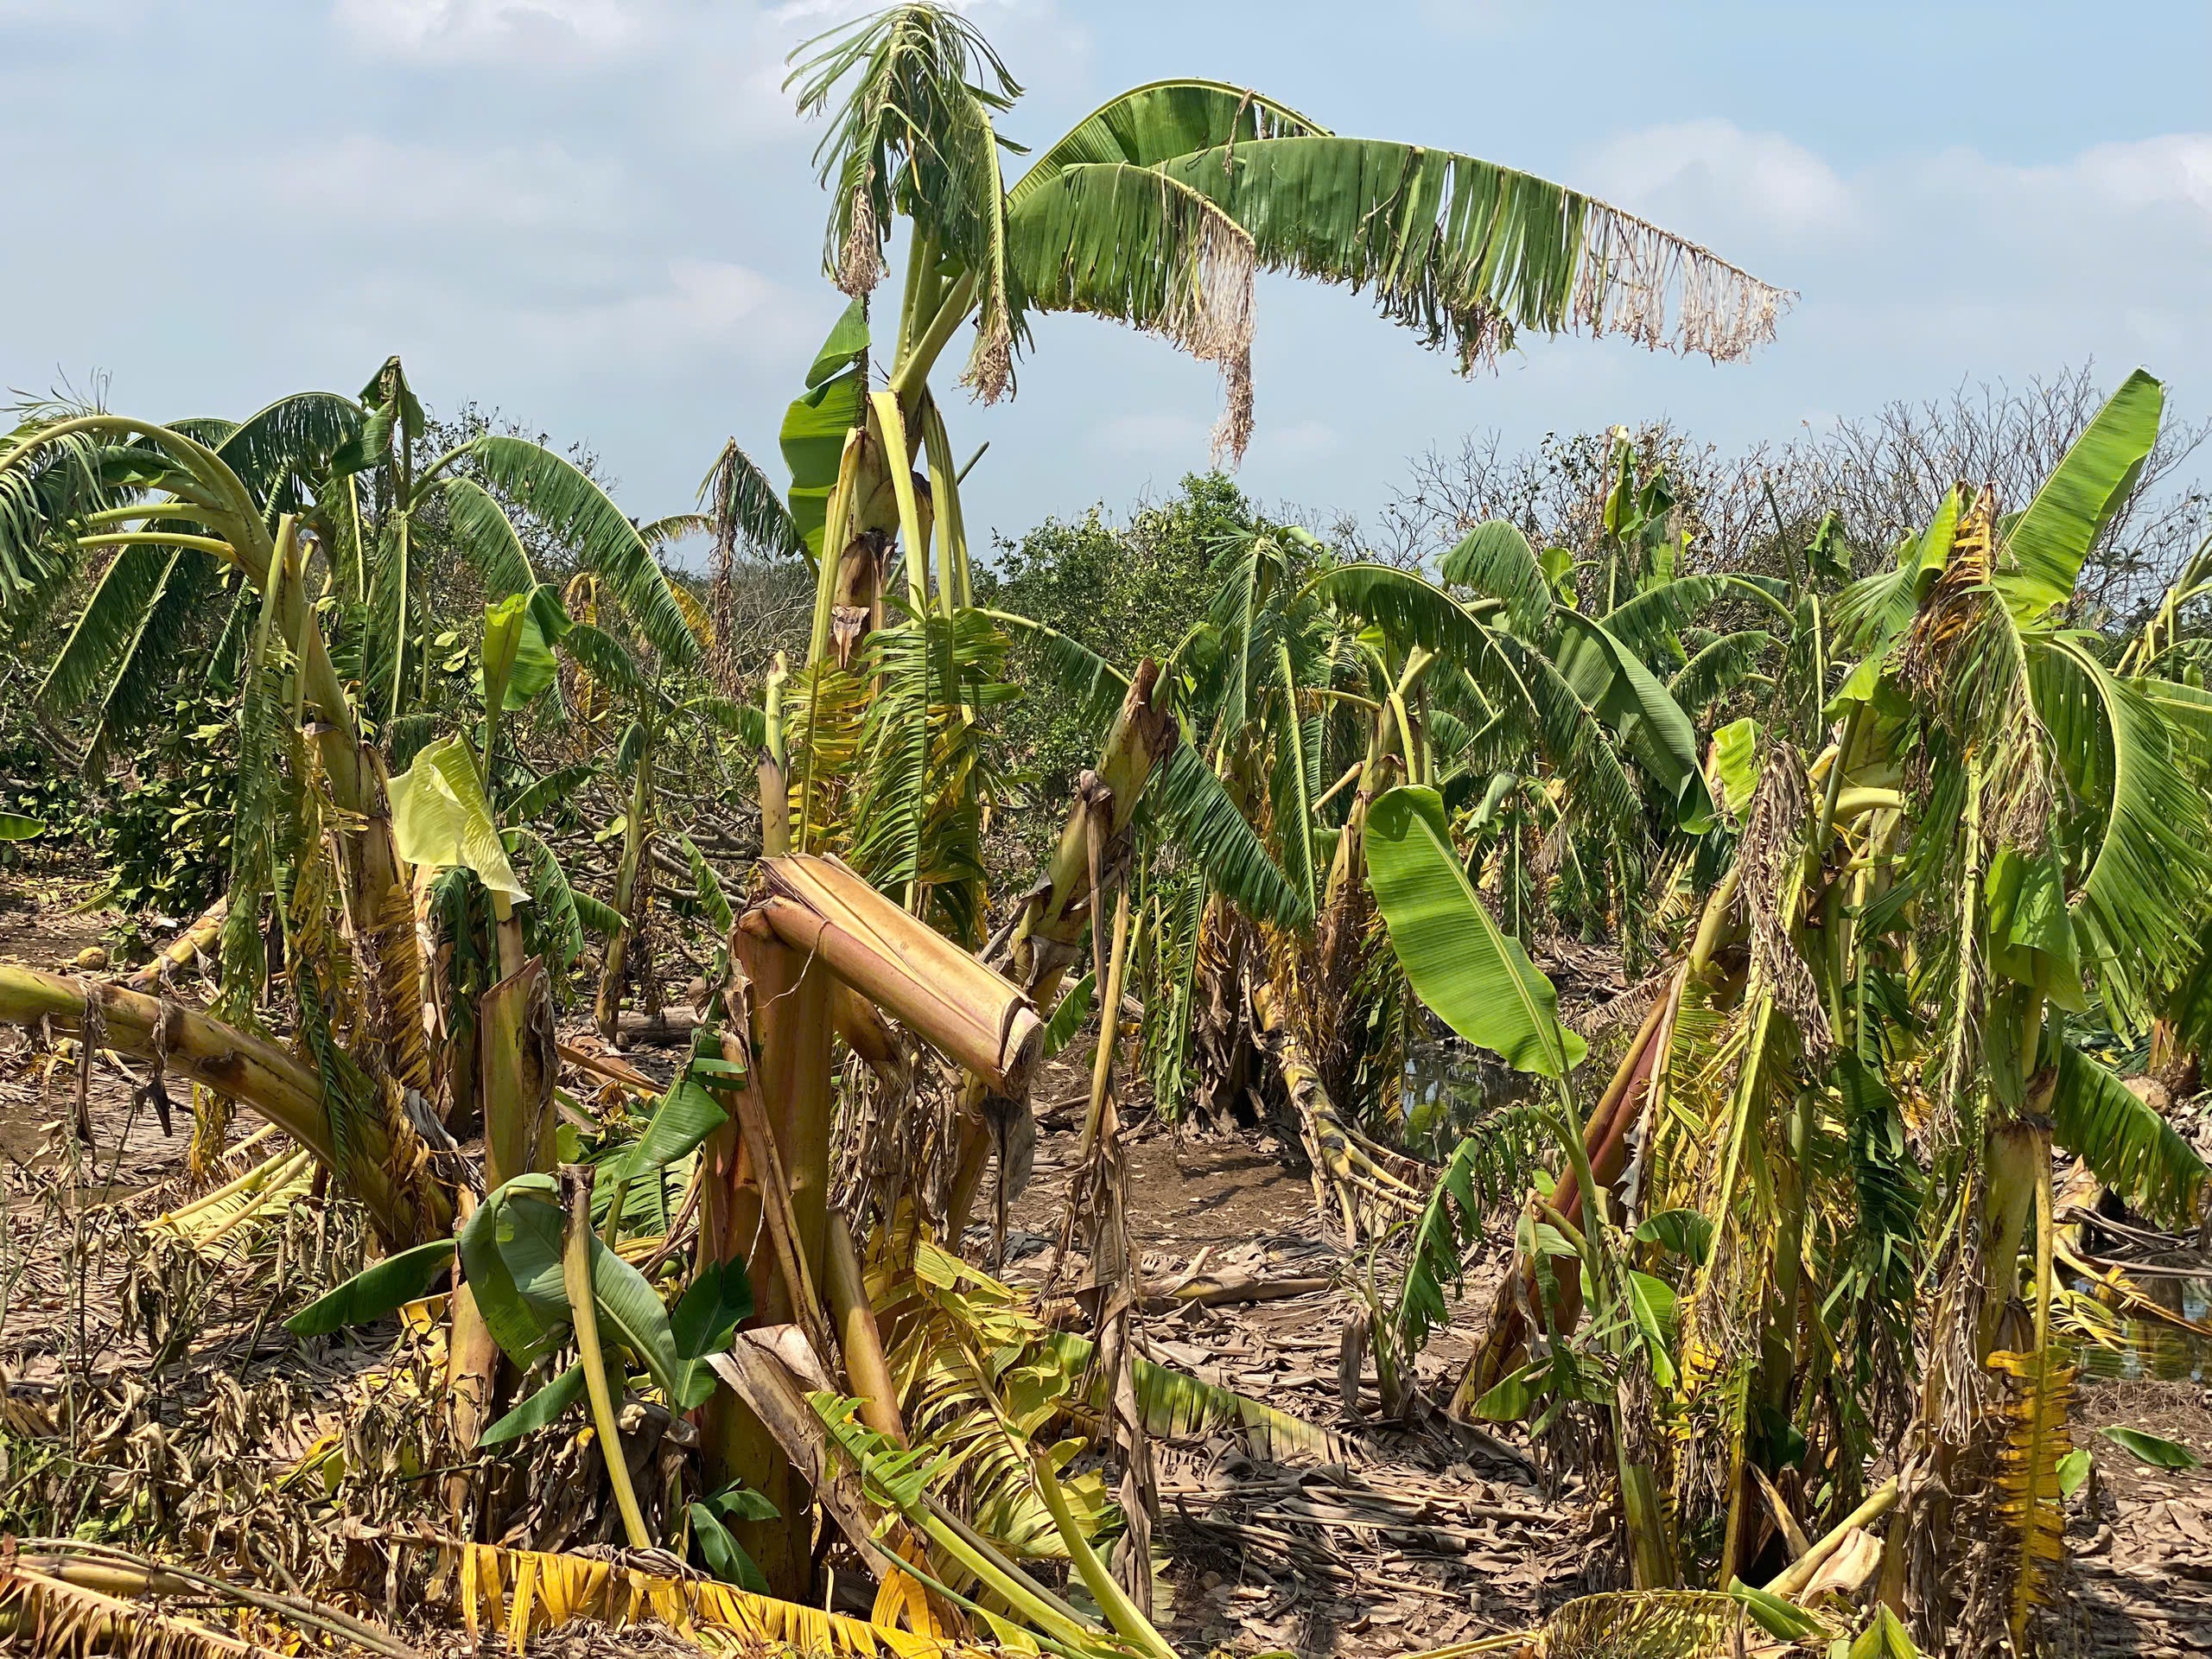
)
(1412, 1537)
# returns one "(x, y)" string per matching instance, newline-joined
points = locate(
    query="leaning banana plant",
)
(310, 797)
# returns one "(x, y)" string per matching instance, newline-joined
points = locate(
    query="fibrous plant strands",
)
(210, 1127)
(860, 264)
(896, 1138)
(1136, 245)
(1772, 890)
(516, 1595)
(1181, 1409)
(1951, 605)
(1471, 252)
(391, 961)
(1629, 274)
(1647, 1625)
(973, 1016)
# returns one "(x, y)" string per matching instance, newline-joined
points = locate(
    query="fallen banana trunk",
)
(1370, 1185)
(257, 1074)
(189, 947)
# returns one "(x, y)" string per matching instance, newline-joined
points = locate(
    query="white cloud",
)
(374, 185)
(1711, 170)
(482, 29)
(688, 307)
(2172, 171)
(638, 313)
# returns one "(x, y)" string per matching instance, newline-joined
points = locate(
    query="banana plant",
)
(1158, 210)
(312, 832)
(1854, 1082)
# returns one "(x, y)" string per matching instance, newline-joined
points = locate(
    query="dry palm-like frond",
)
(1180, 1408)
(980, 1379)
(515, 1595)
(1966, 656)
(2037, 1400)
(64, 1619)
(741, 507)
(1671, 1625)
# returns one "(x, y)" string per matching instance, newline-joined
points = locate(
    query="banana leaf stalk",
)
(583, 1310)
(860, 1340)
(1605, 1137)
(632, 883)
(1043, 937)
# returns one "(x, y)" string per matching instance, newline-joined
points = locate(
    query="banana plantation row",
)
(1898, 849)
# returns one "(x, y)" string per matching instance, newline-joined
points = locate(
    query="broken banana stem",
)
(184, 950)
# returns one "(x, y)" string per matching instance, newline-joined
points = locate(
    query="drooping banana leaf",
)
(1179, 1407)
(2132, 1149)
(1477, 979)
(377, 1290)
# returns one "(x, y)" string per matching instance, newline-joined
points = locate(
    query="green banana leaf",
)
(1613, 682)
(379, 1289)
(2048, 541)
(813, 437)
(1479, 980)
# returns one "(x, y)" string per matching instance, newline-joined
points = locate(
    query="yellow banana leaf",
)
(516, 1593)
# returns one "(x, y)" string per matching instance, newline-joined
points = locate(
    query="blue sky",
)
(601, 215)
